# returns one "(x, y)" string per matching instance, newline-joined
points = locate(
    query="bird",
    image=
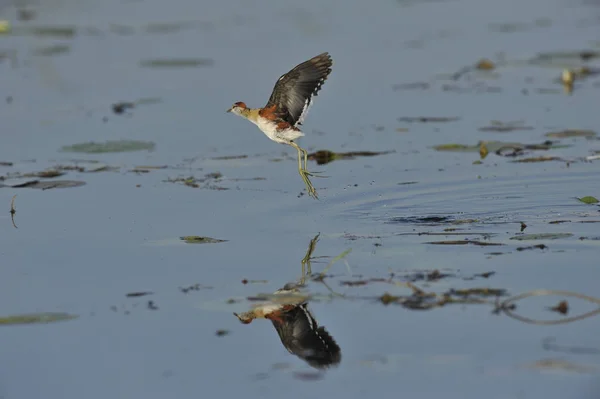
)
(280, 119)
(297, 328)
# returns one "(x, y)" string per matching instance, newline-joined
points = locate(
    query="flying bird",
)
(288, 105)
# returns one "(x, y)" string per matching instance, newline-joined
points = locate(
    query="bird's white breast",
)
(269, 128)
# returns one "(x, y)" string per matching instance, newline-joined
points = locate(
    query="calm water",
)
(81, 250)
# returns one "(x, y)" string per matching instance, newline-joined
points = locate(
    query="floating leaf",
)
(200, 240)
(541, 236)
(35, 318)
(571, 133)
(110, 146)
(588, 200)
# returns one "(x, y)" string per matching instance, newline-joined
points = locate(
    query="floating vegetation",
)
(542, 158)
(564, 56)
(35, 318)
(501, 148)
(464, 242)
(572, 133)
(428, 119)
(46, 185)
(229, 157)
(588, 200)
(200, 240)
(538, 246)
(324, 156)
(177, 63)
(503, 127)
(206, 181)
(138, 294)
(541, 236)
(194, 287)
(110, 146)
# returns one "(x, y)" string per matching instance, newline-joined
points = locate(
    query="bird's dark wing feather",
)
(302, 336)
(294, 90)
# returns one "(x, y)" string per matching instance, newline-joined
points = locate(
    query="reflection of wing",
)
(294, 90)
(301, 335)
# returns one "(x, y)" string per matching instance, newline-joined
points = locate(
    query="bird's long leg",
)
(303, 172)
(314, 174)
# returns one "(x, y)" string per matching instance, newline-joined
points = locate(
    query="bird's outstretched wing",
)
(294, 91)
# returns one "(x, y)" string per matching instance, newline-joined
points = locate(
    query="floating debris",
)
(541, 236)
(221, 333)
(523, 226)
(46, 185)
(121, 107)
(539, 246)
(485, 65)
(207, 181)
(110, 146)
(562, 307)
(194, 287)
(572, 133)
(138, 294)
(229, 157)
(464, 242)
(542, 158)
(500, 148)
(200, 240)
(428, 119)
(502, 127)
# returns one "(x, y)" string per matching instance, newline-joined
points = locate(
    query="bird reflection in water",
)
(295, 324)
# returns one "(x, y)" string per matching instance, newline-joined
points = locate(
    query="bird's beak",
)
(229, 110)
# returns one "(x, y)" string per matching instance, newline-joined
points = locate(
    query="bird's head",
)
(237, 108)
(245, 317)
